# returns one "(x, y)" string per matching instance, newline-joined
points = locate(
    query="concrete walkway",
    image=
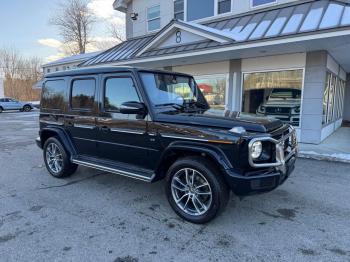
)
(335, 148)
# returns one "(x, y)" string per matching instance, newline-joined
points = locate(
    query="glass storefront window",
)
(213, 89)
(276, 94)
(333, 99)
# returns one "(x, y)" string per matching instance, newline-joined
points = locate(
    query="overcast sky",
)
(24, 25)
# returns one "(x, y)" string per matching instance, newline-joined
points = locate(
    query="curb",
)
(325, 157)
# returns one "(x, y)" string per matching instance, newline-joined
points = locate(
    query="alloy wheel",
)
(191, 192)
(54, 158)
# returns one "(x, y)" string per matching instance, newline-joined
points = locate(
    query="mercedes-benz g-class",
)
(152, 125)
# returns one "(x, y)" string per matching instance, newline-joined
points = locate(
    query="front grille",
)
(289, 143)
(277, 110)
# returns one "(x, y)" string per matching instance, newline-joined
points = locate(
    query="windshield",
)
(171, 89)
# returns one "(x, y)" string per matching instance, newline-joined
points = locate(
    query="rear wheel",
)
(27, 108)
(1, 109)
(196, 190)
(57, 159)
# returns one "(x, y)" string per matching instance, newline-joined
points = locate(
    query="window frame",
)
(72, 80)
(156, 18)
(252, 6)
(216, 11)
(113, 76)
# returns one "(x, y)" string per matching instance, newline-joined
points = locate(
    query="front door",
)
(122, 137)
(11, 104)
(80, 120)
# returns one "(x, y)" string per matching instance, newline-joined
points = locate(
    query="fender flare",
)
(179, 146)
(62, 135)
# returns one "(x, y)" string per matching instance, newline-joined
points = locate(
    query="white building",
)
(67, 63)
(282, 58)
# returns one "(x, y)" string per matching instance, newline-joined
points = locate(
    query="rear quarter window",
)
(53, 94)
(83, 94)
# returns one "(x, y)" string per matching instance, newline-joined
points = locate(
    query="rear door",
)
(80, 120)
(123, 137)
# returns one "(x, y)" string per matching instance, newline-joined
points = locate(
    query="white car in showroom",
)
(283, 104)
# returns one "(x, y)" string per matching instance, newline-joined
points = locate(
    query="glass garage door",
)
(275, 94)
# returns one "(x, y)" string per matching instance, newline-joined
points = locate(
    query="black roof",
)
(105, 69)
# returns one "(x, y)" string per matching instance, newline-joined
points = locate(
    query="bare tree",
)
(116, 32)
(20, 74)
(74, 21)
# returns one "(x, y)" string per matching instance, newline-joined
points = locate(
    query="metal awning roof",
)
(298, 18)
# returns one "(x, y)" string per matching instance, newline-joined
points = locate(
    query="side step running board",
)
(113, 170)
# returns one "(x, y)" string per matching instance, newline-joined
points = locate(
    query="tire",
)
(191, 194)
(60, 165)
(1, 110)
(26, 108)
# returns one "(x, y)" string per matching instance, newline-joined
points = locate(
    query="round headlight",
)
(256, 149)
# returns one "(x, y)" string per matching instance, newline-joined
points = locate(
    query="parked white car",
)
(13, 104)
(283, 104)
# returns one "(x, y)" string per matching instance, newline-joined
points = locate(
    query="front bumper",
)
(243, 185)
(38, 142)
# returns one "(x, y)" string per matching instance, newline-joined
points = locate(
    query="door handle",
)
(70, 123)
(105, 129)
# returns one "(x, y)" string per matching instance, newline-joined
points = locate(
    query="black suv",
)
(150, 125)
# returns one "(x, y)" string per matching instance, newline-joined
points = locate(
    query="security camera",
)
(134, 16)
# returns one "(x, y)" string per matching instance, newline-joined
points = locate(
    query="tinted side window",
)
(118, 91)
(83, 94)
(53, 94)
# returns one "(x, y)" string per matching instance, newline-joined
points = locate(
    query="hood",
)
(222, 119)
(283, 102)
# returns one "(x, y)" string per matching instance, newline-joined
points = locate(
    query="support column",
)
(234, 92)
(312, 104)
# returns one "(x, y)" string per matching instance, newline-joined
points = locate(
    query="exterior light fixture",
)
(134, 16)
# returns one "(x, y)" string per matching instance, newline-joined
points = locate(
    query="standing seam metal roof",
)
(288, 20)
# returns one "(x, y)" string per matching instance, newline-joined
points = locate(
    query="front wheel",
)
(196, 190)
(1, 110)
(57, 160)
(26, 108)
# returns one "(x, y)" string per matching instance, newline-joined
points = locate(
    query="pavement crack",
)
(73, 182)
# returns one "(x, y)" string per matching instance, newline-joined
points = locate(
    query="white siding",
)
(204, 69)
(274, 62)
(332, 65)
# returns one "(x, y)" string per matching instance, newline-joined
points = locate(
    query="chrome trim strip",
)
(113, 170)
(116, 144)
(51, 122)
(185, 138)
(118, 130)
(84, 126)
(281, 159)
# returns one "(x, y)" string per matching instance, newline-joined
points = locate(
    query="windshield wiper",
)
(174, 105)
(197, 103)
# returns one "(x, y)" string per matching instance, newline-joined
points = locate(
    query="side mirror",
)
(133, 108)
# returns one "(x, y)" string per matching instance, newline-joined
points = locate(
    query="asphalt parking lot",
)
(96, 216)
